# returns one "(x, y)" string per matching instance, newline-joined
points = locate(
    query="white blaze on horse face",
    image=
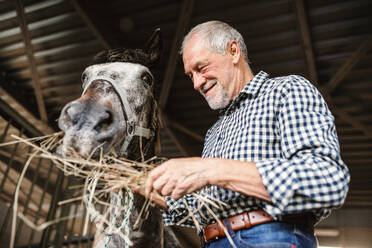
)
(101, 99)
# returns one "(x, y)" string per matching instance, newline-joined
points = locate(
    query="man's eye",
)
(203, 69)
(147, 78)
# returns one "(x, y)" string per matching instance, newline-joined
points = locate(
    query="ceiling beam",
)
(170, 124)
(358, 203)
(185, 130)
(357, 145)
(176, 141)
(364, 192)
(303, 28)
(349, 119)
(348, 65)
(21, 114)
(364, 163)
(30, 55)
(83, 13)
(183, 22)
(305, 37)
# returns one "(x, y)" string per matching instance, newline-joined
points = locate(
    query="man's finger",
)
(169, 187)
(179, 191)
(153, 175)
(159, 183)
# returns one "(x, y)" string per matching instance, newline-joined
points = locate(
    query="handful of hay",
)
(109, 175)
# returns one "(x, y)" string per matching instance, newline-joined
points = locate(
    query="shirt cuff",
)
(279, 180)
(176, 213)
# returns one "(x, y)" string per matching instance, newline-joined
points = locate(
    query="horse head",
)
(117, 107)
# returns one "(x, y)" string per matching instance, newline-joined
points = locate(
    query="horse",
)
(117, 111)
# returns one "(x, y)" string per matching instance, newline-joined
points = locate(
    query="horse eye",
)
(83, 77)
(147, 78)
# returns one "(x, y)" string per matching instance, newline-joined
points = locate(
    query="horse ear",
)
(154, 46)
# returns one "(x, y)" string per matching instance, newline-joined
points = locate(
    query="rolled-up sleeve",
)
(310, 173)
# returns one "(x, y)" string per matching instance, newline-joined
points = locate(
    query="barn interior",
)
(46, 44)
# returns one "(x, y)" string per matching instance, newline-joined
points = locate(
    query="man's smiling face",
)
(210, 72)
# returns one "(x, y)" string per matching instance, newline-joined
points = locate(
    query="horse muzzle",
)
(88, 126)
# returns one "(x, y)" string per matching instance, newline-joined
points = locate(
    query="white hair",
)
(216, 35)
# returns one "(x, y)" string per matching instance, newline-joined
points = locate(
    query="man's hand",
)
(177, 177)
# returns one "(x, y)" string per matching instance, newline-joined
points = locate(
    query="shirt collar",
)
(251, 88)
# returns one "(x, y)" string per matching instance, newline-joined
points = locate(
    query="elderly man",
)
(271, 162)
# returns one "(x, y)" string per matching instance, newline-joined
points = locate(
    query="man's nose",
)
(198, 81)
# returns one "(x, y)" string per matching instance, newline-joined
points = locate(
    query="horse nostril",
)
(104, 122)
(64, 120)
(69, 115)
(72, 114)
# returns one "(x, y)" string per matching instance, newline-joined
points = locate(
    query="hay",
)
(106, 176)
(108, 184)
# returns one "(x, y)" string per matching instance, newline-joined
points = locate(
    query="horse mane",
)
(137, 56)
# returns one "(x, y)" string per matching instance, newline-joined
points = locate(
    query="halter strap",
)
(132, 128)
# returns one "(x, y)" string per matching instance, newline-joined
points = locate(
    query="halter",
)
(132, 128)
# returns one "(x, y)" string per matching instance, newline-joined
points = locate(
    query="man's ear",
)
(154, 46)
(233, 50)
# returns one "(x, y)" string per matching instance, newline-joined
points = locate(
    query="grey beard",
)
(221, 98)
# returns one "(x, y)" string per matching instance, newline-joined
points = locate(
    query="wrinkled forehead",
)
(116, 69)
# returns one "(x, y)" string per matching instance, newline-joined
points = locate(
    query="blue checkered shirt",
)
(284, 125)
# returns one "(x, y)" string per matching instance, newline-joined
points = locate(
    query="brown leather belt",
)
(253, 218)
(237, 222)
